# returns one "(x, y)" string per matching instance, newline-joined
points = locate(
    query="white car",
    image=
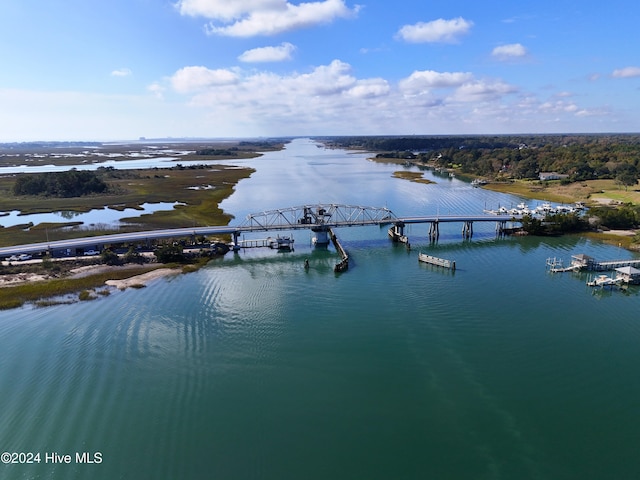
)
(19, 258)
(92, 252)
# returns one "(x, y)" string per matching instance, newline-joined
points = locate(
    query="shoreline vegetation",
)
(412, 177)
(600, 170)
(197, 188)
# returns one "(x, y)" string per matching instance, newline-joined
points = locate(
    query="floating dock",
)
(556, 265)
(276, 243)
(439, 262)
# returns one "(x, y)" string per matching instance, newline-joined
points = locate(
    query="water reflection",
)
(302, 173)
(103, 216)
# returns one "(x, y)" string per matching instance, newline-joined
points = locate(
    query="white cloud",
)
(323, 80)
(269, 54)
(331, 98)
(437, 31)
(326, 99)
(511, 51)
(370, 88)
(559, 106)
(248, 18)
(157, 90)
(190, 79)
(121, 72)
(226, 10)
(627, 72)
(425, 80)
(483, 91)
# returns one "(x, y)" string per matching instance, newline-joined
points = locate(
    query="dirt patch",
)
(20, 278)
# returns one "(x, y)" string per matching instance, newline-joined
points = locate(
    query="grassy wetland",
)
(196, 188)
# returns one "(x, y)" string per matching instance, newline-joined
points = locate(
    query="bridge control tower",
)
(318, 217)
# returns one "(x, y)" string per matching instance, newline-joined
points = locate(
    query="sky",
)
(124, 69)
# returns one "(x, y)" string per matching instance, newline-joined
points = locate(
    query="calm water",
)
(254, 368)
(95, 217)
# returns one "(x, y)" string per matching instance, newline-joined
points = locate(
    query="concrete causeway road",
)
(114, 238)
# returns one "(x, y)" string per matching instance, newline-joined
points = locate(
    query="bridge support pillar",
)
(322, 236)
(396, 233)
(467, 229)
(236, 246)
(434, 230)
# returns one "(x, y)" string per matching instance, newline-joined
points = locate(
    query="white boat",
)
(565, 209)
(281, 243)
(604, 281)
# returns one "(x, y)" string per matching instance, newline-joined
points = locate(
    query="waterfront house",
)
(544, 176)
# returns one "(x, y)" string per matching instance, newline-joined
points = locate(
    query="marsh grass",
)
(412, 176)
(18, 295)
(85, 295)
(622, 241)
(133, 189)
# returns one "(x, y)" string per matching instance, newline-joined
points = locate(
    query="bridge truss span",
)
(318, 216)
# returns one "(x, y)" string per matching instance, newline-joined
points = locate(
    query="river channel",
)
(257, 368)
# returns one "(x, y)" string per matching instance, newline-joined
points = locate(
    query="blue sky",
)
(121, 69)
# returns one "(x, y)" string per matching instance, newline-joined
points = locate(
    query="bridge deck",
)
(322, 216)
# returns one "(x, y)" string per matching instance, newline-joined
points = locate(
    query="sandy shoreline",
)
(143, 279)
(12, 280)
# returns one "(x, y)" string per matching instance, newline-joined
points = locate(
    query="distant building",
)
(544, 176)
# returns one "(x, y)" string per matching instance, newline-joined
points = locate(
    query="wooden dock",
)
(277, 243)
(439, 262)
(585, 262)
(344, 263)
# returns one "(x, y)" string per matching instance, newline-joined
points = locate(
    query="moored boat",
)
(281, 243)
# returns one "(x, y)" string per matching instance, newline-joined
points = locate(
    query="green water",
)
(254, 368)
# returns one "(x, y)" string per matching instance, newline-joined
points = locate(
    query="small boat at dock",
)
(604, 281)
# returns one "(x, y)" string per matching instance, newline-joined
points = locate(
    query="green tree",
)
(108, 257)
(532, 225)
(626, 175)
(132, 256)
(170, 254)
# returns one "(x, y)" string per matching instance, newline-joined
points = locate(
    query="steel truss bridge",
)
(317, 217)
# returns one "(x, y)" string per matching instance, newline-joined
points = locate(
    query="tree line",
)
(580, 157)
(72, 183)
